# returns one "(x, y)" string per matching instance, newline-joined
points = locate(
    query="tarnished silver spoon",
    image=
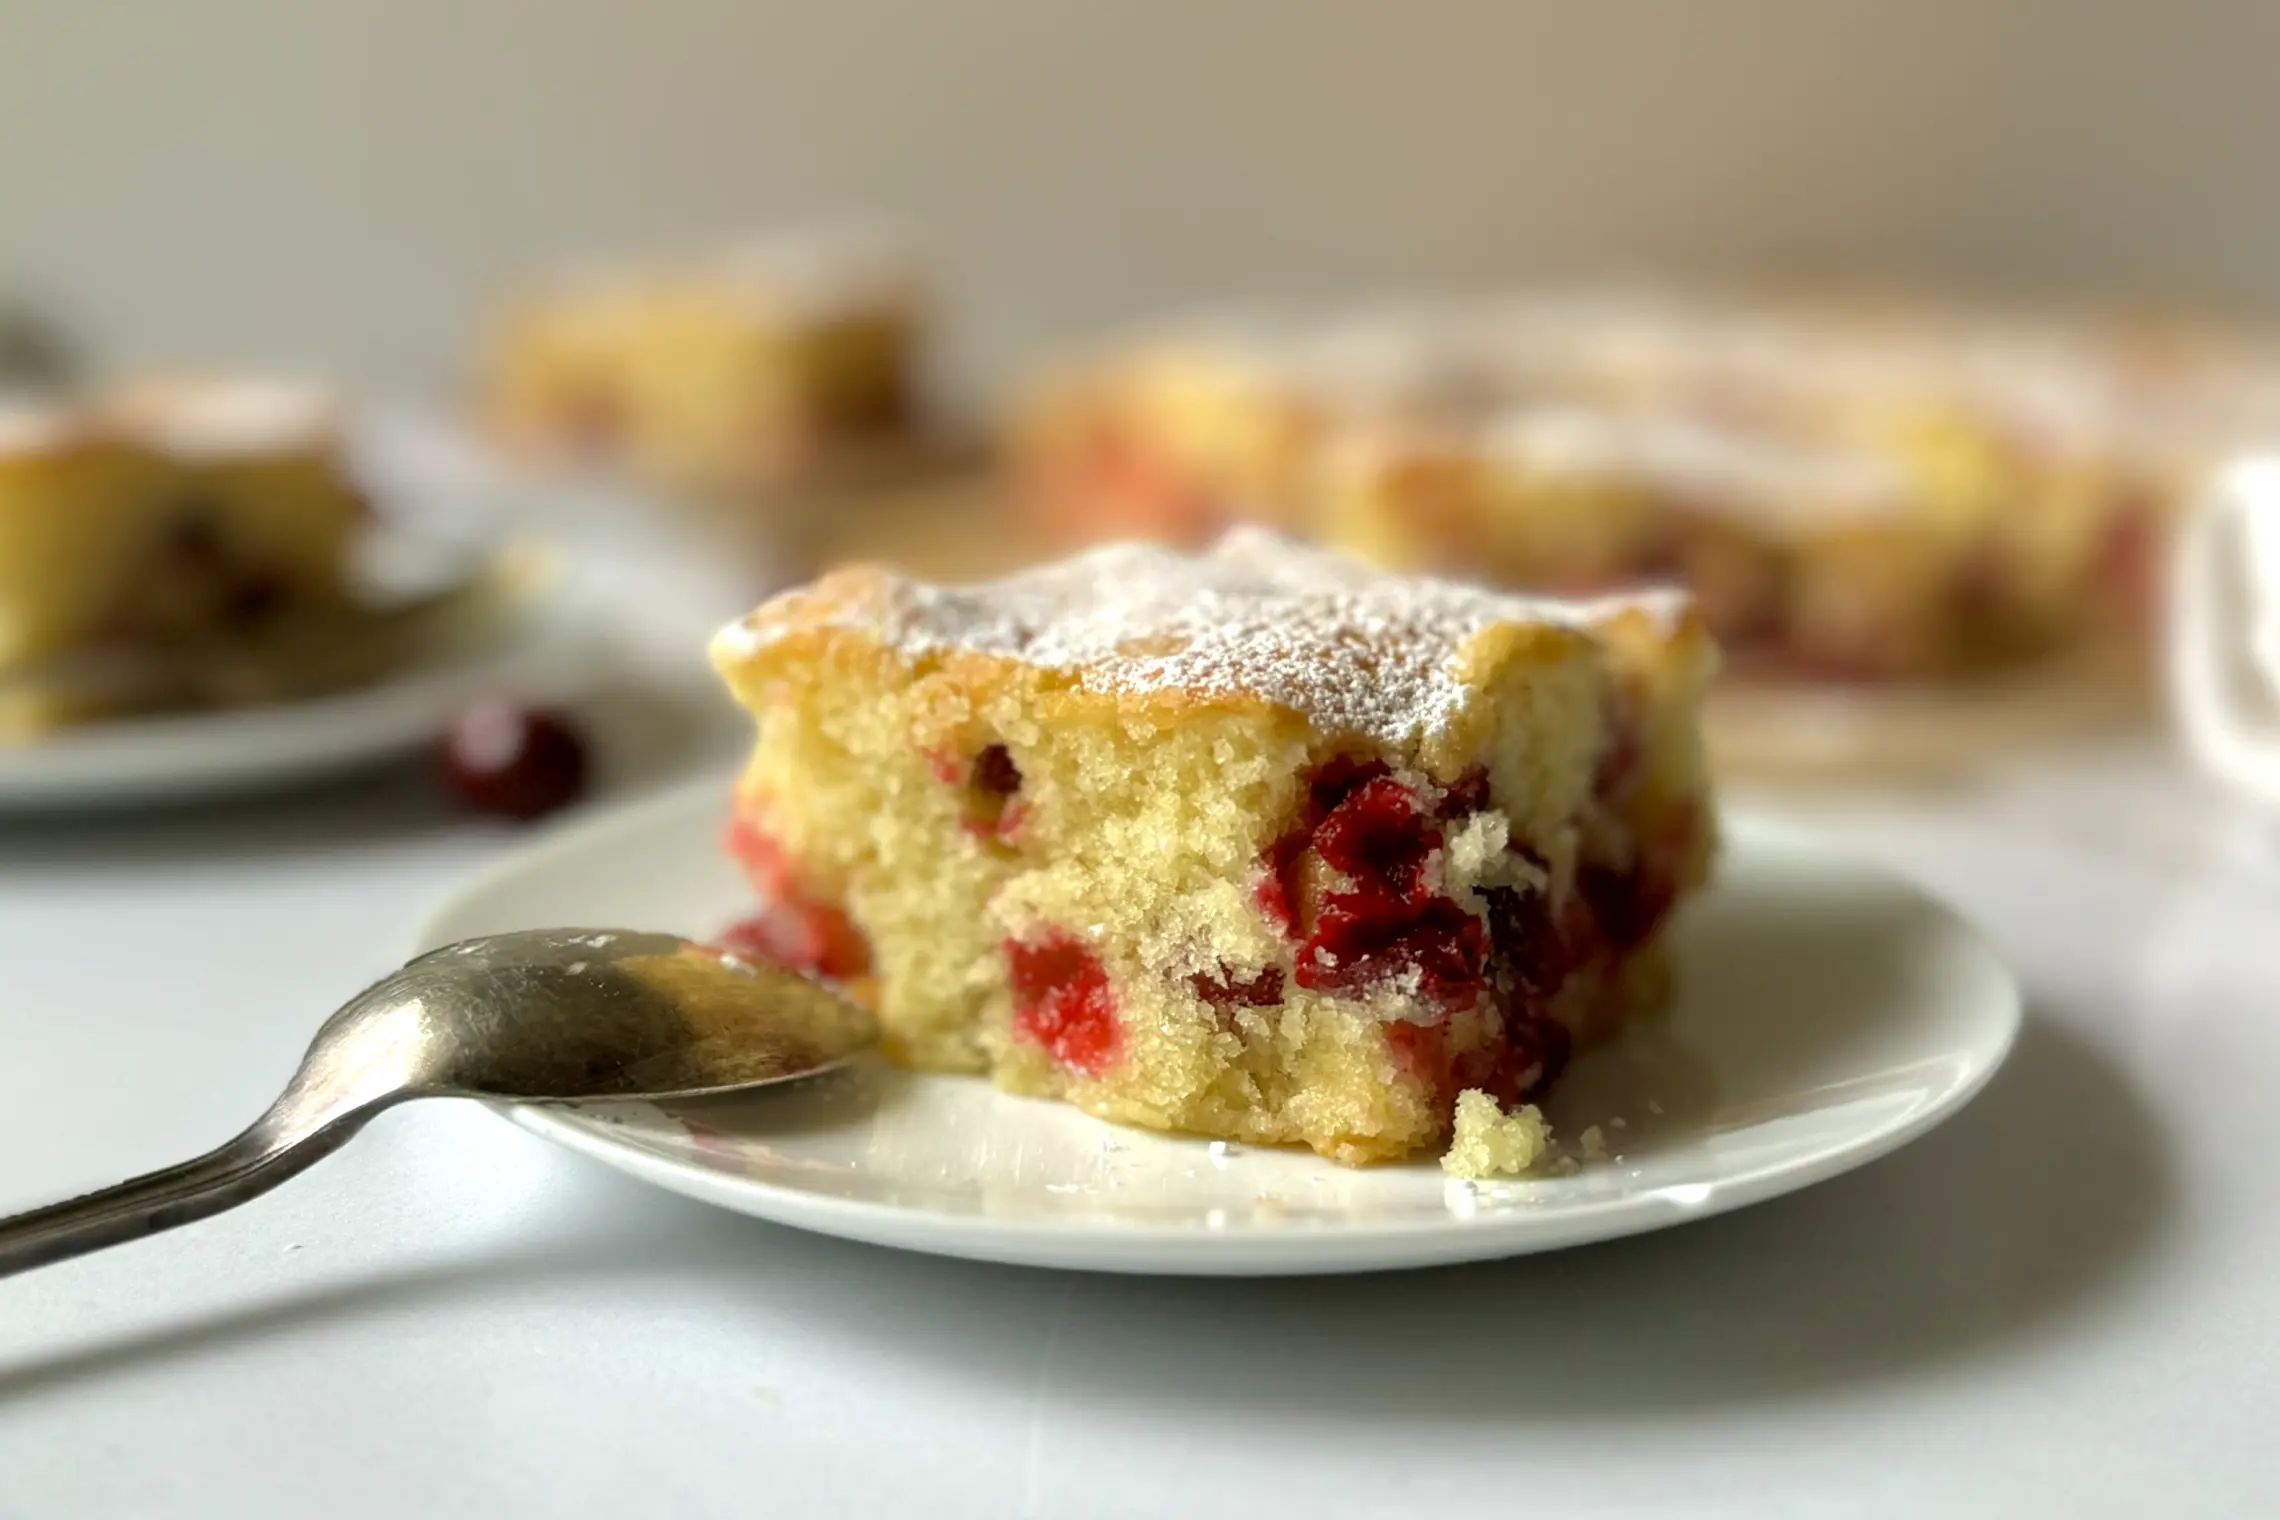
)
(540, 1016)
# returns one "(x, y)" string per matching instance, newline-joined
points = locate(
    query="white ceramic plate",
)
(1826, 1014)
(135, 762)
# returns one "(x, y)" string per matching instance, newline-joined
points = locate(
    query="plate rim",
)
(183, 757)
(1112, 1246)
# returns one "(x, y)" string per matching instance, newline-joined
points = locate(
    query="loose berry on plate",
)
(518, 762)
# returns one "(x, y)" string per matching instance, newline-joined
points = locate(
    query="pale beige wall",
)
(342, 181)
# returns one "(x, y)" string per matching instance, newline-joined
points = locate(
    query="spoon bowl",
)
(579, 1015)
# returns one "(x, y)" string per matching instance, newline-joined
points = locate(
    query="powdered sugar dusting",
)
(32, 427)
(216, 417)
(1721, 469)
(822, 270)
(817, 272)
(1352, 650)
(1779, 412)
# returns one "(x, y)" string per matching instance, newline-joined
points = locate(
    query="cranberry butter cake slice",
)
(1256, 843)
(748, 366)
(186, 515)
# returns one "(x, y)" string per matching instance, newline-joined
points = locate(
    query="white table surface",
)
(2067, 1301)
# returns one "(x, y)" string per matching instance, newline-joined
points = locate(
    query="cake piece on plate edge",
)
(762, 364)
(1256, 844)
(159, 522)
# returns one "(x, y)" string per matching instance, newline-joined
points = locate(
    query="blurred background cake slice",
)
(163, 521)
(260, 510)
(168, 510)
(1858, 485)
(82, 514)
(738, 369)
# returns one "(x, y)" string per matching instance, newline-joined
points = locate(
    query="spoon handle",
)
(244, 1168)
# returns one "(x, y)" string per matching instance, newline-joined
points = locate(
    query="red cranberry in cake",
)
(1433, 953)
(1530, 950)
(755, 847)
(995, 774)
(1467, 794)
(1255, 844)
(989, 786)
(792, 928)
(1226, 992)
(1379, 838)
(1062, 1001)
(1383, 924)
(994, 808)
(801, 936)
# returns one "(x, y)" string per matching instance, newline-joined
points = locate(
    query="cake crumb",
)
(1592, 1143)
(1492, 1143)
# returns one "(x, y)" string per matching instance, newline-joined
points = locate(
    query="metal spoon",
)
(541, 1016)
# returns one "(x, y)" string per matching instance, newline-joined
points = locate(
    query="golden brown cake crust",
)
(1259, 622)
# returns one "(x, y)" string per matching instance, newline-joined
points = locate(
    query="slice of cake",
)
(159, 516)
(1256, 844)
(1808, 557)
(78, 509)
(170, 510)
(746, 368)
(258, 506)
(1861, 486)
(1174, 446)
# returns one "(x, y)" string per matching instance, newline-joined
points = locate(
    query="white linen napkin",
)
(2224, 629)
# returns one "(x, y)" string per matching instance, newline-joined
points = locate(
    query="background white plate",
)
(1827, 1013)
(133, 762)
(446, 512)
